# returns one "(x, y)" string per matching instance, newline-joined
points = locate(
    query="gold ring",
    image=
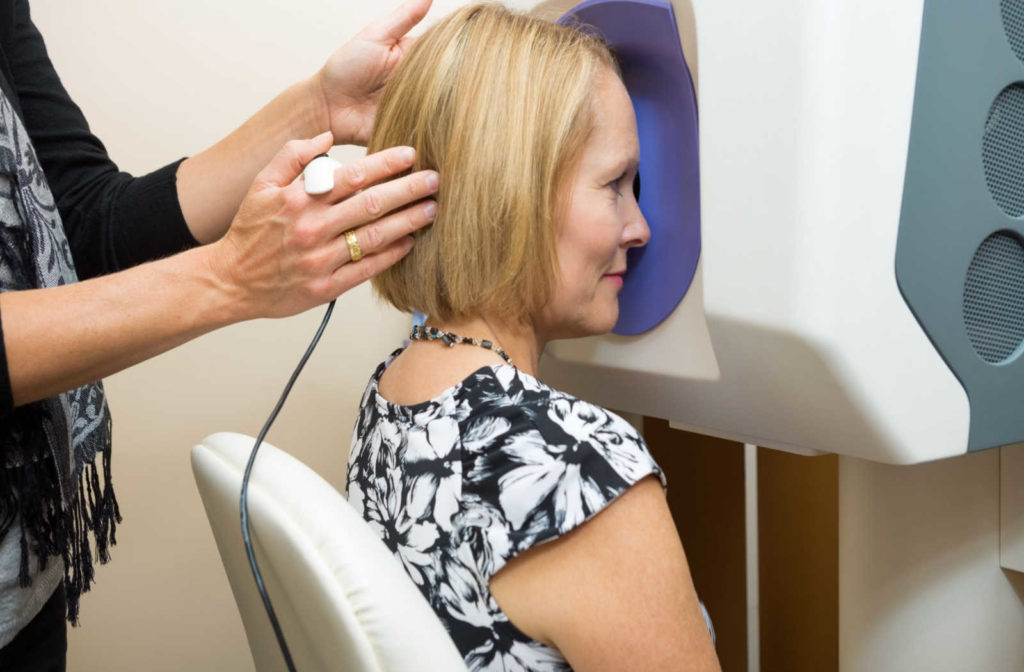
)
(354, 252)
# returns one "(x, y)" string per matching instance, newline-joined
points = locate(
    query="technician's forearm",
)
(62, 337)
(211, 184)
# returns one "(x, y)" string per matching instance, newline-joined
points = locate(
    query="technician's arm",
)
(613, 594)
(283, 254)
(114, 220)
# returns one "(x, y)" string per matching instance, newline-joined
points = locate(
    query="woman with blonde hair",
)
(533, 522)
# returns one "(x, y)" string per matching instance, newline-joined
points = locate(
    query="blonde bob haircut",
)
(499, 103)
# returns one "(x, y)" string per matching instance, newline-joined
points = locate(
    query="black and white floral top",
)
(458, 485)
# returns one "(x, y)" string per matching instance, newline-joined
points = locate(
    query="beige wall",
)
(920, 586)
(159, 80)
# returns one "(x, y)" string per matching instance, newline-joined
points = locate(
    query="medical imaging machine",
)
(835, 190)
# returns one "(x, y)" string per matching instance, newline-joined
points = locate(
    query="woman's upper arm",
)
(613, 594)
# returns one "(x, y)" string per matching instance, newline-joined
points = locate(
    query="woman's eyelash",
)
(616, 184)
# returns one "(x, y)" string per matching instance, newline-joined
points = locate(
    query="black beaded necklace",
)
(424, 333)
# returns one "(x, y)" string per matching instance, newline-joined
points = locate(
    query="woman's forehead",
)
(614, 136)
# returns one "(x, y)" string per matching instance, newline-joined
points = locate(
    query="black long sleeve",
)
(113, 220)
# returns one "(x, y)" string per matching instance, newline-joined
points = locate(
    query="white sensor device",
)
(319, 175)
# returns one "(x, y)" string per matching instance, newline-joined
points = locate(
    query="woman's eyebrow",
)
(629, 165)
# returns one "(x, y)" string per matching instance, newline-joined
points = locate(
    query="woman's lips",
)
(615, 278)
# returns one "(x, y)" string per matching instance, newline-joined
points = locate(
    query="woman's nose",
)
(636, 233)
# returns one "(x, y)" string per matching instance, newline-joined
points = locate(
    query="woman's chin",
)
(602, 324)
(597, 321)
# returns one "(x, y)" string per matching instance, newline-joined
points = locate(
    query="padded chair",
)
(343, 600)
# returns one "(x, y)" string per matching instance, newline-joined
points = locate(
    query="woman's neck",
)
(520, 342)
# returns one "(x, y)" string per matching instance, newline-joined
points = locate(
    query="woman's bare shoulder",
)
(423, 371)
(626, 570)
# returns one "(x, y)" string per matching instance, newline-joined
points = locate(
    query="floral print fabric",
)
(458, 485)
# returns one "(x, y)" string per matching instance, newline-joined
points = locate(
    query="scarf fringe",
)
(30, 493)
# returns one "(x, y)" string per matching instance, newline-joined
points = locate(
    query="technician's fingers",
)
(350, 275)
(379, 200)
(289, 161)
(381, 234)
(393, 27)
(351, 177)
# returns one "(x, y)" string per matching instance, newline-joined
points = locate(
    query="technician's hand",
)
(286, 251)
(353, 77)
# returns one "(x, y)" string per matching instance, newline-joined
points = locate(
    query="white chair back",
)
(343, 600)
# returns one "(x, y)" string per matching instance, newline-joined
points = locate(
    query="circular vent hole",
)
(1013, 24)
(994, 298)
(1003, 150)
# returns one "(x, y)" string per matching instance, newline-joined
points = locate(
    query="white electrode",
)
(319, 175)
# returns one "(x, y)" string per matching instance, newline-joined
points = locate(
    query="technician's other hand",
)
(353, 77)
(286, 251)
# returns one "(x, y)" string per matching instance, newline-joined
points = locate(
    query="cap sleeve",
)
(538, 462)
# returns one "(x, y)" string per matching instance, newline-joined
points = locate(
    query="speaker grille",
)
(1013, 24)
(1003, 150)
(994, 298)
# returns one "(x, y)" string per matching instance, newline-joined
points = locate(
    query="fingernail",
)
(433, 181)
(409, 242)
(408, 154)
(430, 209)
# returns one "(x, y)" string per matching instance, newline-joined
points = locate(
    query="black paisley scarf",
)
(51, 489)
